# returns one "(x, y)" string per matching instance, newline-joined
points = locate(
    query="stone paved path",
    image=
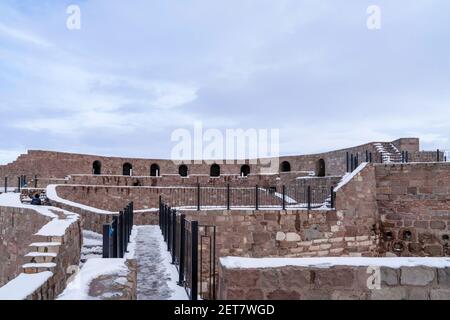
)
(156, 278)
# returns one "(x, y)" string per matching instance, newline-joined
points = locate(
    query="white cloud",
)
(9, 155)
(23, 36)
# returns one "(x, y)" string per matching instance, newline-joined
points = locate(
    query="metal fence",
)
(22, 182)
(116, 235)
(192, 247)
(290, 196)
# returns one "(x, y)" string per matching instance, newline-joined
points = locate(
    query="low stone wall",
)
(341, 282)
(17, 229)
(425, 156)
(90, 220)
(94, 219)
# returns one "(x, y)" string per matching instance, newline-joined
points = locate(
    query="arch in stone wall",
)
(127, 169)
(245, 170)
(320, 168)
(285, 166)
(183, 170)
(214, 170)
(154, 170)
(96, 167)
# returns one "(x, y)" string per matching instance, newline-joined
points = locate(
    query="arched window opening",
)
(215, 170)
(154, 170)
(97, 167)
(285, 166)
(320, 168)
(183, 170)
(245, 170)
(127, 169)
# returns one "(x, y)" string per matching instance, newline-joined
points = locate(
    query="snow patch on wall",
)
(349, 176)
(327, 262)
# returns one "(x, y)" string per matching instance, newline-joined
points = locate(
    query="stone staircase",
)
(389, 152)
(42, 257)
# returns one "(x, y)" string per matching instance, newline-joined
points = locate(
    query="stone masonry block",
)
(417, 276)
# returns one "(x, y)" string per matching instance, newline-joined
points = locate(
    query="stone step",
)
(40, 257)
(46, 246)
(38, 267)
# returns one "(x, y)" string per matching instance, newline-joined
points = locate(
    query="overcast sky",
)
(137, 70)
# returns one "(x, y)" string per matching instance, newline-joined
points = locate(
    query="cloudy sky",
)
(137, 70)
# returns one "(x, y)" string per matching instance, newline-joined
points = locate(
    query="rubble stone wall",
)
(333, 283)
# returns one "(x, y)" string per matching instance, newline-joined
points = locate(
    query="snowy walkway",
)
(156, 278)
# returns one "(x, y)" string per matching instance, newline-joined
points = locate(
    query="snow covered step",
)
(38, 267)
(46, 246)
(389, 152)
(40, 257)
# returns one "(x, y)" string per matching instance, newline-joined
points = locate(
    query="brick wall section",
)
(407, 144)
(414, 206)
(335, 283)
(425, 156)
(292, 233)
(357, 206)
(17, 229)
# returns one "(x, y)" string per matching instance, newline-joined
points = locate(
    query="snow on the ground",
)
(56, 227)
(92, 246)
(349, 176)
(326, 262)
(23, 285)
(91, 238)
(280, 196)
(78, 288)
(53, 195)
(95, 266)
(157, 277)
(13, 200)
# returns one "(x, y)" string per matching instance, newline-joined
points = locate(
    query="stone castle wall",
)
(49, 164)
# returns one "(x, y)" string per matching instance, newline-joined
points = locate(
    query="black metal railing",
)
(192, 247)
(22, 182)
(117, 233)
(289, 196)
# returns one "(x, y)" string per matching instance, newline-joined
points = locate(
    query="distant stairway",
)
(389, 152)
